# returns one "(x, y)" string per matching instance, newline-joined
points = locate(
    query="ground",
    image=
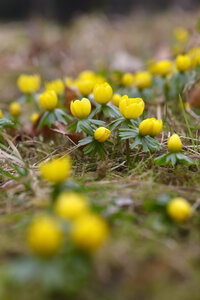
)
(144, 258)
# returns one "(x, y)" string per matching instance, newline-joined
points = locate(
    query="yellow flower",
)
(156, 127)
(101, 134)
(69, 81)
(179, 209)
(131, 108)
(44, 236)
(174, 143)
(15, 109)
(1, 114)
(194, 55)
(34, 117)
(183, 63)
(56, 170)
(28, 83)
(87, 75)
(89, 232)
(180, 34)
(71, 206)
(150, 126)
(102, 93)
(116, 99)
(80, 108)
(56, 85)
(127, 79)
(162, 67)
(85, 86)
(48, 100)
(143, 79)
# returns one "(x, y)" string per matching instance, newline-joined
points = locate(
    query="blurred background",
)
(60, 38)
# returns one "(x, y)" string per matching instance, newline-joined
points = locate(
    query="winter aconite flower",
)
(143, 79)
(127, 79)
(150, 126)
(56, 170)
(131, 108)
(174, 143)
(80, 108)
(1, 114)
(34, 117)
(71, 206)
(48, 100)
(101, 134)
(102, 93)
(179, 209)
(163, 67)
(44, 236)
(15, 109)
(180, 34)
(116, 99)
(194, 55)
(89, 232)
(56, 85)
(85, 86)
(183, 63)
(28, 83)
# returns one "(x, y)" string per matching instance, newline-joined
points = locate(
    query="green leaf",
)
(184, 159)
(116, 123)
(85, 126)
(127, 133)
(171, 158)
(43, 120)
(136, 142)
(96, 122)
(85, 141)
(161, 160)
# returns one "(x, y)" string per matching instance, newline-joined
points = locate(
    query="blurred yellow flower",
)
(28, 83)
(102, 93)
(194, 55)
(34, 117)
(174, 143)
(87, 75)
(127, 79)
(143, 79)
(180, 34)
(15, 109)
(162, 67)
(179, 209)
(56, 85)
(150, 126)
(101, 134)
(48, 100)
(56, 170)
(1, 114)
(80, 108)
(116, 99)
(131, 108)
(44, 236)
(85, 86)
(71, 205)
(183, 63)
(89, 232)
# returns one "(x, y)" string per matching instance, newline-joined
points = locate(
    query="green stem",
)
(186, 121)
(127, 152)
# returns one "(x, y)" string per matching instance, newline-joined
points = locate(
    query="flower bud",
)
(102, 93)
(127, 79)
(179, 209)
(183, 63)
(131, 108)
(48, 100)
(28, 83)
(56, 85)
(143, 79)
(102, 134)
(80, 108)
(174, 143)
(116, 99)
(15, 109)
(44, 236)
(85, 86)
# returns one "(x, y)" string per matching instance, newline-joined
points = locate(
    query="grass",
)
(145, 257)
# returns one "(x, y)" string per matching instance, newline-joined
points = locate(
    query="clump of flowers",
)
(174, 155)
